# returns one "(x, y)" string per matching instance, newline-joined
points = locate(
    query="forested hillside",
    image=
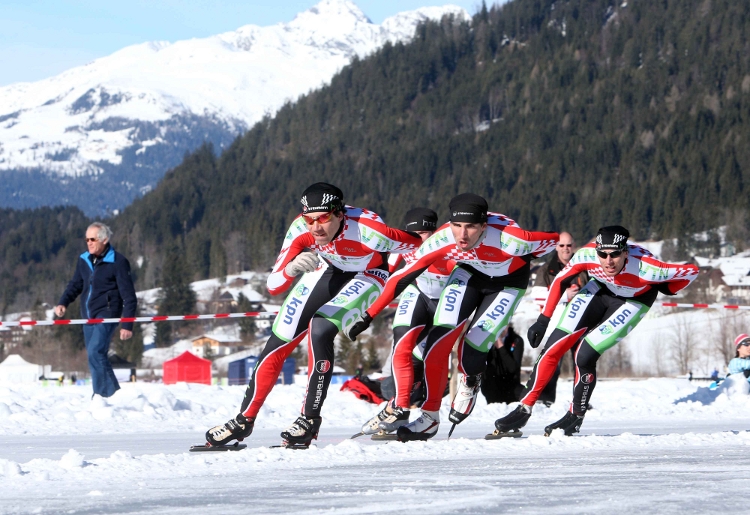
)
(565, 115)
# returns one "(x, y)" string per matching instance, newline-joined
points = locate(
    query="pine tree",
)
(247, 324)
(176, 296)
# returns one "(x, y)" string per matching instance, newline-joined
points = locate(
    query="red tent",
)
(187, 368)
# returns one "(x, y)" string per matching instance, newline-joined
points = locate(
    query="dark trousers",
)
(97, 338)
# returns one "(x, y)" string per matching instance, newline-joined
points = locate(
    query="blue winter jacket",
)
(106, 288)
(739, 366)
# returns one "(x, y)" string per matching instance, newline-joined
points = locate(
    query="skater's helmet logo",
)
(587, 378)
(323, 366)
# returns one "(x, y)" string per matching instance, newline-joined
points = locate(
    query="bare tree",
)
(684, 344)
(234, 248)
(616, 362)
(495, 103)
(658, 357)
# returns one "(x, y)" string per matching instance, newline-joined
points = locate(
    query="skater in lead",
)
(341, 253)
(412, 321)
(626, 279)
(493, 256)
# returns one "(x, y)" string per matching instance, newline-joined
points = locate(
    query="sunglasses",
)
(614, 254)
(745, 343)
(563, 245)
(322, 219)
(92, 239)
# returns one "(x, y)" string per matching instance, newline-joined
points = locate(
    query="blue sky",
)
(41, 38)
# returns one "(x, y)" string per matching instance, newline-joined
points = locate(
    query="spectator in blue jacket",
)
(741, 362)
(103, 280)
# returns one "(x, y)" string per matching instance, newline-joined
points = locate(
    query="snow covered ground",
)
(661, 445)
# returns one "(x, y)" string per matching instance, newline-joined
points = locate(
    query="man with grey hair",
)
(103, 280)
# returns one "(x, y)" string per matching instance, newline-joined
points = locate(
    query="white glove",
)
(305, 262)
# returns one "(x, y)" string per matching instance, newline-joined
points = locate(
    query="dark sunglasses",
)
(561, 245)
(614, 254)
(322, 219)
(92, 239)
(746, 343)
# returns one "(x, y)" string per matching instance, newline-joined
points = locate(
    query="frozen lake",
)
(662, 445)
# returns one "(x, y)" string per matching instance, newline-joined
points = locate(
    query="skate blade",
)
(292, 446)
(414, 437)
(384, 436)
(217, 448)
(452, 428)
(357, 435)
(497, 435)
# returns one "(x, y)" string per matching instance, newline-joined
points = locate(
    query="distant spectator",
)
(741, 362)
(715, 374)
(565, 249)
(501, 381)
(103, 280)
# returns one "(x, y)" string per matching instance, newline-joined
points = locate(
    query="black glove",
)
(664, 288)
(359, 326)
(537, 330)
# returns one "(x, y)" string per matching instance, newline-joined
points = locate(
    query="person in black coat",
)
(501, 381)
(102, 279)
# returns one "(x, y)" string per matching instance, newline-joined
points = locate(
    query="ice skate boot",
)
(392, 422)
(465, 400)
(423, 428)
(371, 426)
(570, 423)
(301, 433)
(237, 428)
(516, 419)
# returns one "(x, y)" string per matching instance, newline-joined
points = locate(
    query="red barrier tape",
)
(694, 306)
(177, 318)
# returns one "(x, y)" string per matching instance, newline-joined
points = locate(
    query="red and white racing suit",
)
(602, 313)
(352, 273)
(489, 279)
(413, 320)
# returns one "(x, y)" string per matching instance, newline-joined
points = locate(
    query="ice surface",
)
(662, 445)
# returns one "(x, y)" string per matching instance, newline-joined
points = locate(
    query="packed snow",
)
(662, 445)
(62, 124)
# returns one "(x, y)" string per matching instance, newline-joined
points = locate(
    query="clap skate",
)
(465, 400)
(301, 433)
(423, 428)
(570, 423)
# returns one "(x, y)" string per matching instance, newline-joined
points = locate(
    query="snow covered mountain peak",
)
(327, 9)
(134, 113)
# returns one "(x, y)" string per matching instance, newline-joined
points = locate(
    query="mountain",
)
(564, 115)
(120, 122)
